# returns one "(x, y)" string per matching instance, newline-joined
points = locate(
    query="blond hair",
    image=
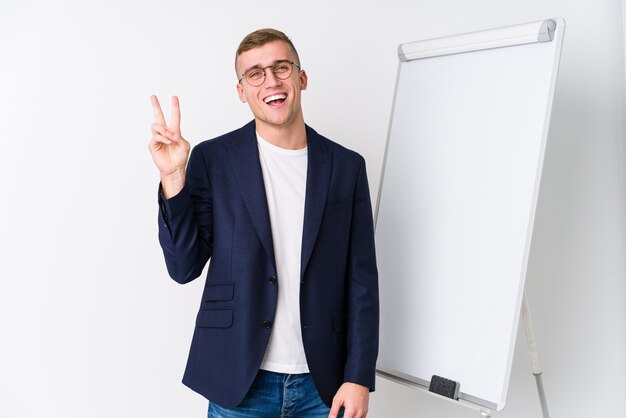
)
(261, 37)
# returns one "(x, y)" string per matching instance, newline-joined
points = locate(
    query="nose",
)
(270, 78)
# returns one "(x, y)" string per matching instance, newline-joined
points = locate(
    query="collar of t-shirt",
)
(278, 150)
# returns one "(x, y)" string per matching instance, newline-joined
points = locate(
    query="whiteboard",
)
(457, 201)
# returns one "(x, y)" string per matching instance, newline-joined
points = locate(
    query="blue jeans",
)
(275, 395)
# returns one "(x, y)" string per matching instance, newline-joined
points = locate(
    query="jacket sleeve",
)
(186, 223)
(363, 305)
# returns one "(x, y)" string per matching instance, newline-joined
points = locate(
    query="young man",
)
(288, 322)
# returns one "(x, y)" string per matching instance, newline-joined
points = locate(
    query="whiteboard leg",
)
(542, 396)
(534, 356)
(485, 414)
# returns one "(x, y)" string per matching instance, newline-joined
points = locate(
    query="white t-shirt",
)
(284, 176)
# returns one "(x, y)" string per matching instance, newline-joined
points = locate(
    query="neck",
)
(289, 137)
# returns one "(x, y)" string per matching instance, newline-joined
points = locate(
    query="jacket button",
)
(273, 280)
(267, 324)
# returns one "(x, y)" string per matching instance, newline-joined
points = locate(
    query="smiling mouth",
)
(275, 100)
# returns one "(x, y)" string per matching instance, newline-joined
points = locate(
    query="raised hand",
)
(168, 148)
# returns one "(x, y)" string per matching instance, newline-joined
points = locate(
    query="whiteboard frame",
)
(546, 30)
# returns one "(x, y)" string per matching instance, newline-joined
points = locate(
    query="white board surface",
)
(455, 212)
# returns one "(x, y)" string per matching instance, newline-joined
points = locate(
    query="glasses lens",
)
(255, 76)
(282, 70)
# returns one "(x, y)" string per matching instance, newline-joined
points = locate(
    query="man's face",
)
(275, 103)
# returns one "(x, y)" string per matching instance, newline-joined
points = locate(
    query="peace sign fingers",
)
(168, 148)
(158, 113)
(174, 126)
(175, 121)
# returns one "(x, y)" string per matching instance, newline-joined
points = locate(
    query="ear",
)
(304, 79)
(242, 94)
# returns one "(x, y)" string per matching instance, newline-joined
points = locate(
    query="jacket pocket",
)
(215, 318)
(219, 292)
(339, 321)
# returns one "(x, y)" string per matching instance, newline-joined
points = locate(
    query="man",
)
(288, 323)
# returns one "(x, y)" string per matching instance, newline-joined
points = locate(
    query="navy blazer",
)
(221, 214)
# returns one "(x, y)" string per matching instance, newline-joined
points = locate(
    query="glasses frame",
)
(272, 68)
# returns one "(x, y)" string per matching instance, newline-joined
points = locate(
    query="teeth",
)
(275, 97)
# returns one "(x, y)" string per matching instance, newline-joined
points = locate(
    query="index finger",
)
(335, 408)
(158, 113)
(175, 122)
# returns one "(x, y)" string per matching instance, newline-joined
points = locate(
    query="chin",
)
(278, 122)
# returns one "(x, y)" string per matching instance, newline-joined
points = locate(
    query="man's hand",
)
(354, 398)
(168, 148)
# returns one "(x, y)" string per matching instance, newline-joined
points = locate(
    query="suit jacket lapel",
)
(317, 182)
(245, 161)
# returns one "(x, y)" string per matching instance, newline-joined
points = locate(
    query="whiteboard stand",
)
(456, 207)
(536, 366)
(483, 411)
(534, 357)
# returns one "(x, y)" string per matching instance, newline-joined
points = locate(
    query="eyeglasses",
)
(282, 70)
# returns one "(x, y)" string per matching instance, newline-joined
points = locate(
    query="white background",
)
(90, 324)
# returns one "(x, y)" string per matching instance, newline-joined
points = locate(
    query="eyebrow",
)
(259, 65)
